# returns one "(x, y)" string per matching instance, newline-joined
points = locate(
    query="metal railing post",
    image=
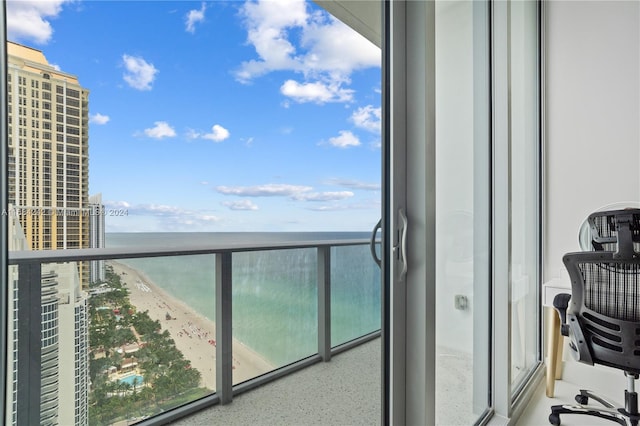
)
(224, 352)
(324, 302)
(29, 343)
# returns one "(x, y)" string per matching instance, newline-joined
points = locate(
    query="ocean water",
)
(274, 292)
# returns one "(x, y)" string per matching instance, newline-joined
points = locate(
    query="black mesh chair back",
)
(605, 303)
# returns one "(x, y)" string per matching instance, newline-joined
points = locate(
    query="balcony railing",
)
(30, 301)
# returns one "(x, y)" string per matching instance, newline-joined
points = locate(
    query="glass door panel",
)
(524, 190)
(462, 211)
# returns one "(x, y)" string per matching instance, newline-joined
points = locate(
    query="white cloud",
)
(329, 208)
(172, 217)
(98, 118)
(339, 207)
(29, 20)
(328, 45)
(192, 134)
(161, 217)
(218, 133)
(315, 92)
(323, 196)
(368, 118)
(267, 24)
(275, 13)
(117, 204)
(336, 48)
(208, 218)
(159, 209)
(327, 50)
(354, 184)
(195, 16)
(240, 205)
(294, 192)
(267, 190)
(344, 140)
(139, 73)
(161, 130)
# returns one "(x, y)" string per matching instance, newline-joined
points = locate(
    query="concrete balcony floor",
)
(344, 391)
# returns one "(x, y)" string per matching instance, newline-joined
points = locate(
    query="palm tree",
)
(135, 383)
(110, 388)
(124, 387)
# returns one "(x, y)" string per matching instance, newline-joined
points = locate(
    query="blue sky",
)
(220, 116)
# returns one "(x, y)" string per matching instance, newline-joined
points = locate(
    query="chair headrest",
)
(621, 227)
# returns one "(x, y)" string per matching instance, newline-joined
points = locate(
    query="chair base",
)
(609, 412)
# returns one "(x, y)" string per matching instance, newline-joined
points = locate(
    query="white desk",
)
(553, 287)
(554, 339)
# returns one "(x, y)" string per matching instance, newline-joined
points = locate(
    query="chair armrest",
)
(579, 348)
(561, 303)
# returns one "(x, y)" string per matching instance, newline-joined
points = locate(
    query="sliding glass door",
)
(461, 166)
(462, 210)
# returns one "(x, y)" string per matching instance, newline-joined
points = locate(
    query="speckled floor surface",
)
(344, 391)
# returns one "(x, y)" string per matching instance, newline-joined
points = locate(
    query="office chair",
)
(602, 315)
(602, 226)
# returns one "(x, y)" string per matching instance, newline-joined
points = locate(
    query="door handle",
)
(372, 243)
(400, 248)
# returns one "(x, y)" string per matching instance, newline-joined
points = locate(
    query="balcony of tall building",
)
(155, 354)
(502, 125)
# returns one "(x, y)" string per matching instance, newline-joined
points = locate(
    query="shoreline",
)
(193, 333)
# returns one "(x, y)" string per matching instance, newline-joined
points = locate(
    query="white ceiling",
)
(364, 16)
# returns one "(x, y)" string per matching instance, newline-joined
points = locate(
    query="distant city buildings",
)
(96, 236)
(73, 308)
(48, 176)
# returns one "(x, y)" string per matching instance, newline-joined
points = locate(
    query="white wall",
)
(592, 116)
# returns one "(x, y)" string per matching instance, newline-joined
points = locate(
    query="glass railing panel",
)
(152, 336)
(274, 310)
(141, 340)
(355, 293)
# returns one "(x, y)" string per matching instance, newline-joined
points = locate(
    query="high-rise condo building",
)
(49, 209)
(48, 114)
(64, 343)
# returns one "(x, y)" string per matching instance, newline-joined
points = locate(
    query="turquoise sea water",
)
(274, 292)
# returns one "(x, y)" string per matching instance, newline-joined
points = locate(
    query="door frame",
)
(409, 182)
(409, 242)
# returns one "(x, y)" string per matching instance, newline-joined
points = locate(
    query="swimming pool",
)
(129, 380)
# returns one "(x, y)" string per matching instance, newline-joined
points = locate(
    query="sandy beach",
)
(193, 333)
